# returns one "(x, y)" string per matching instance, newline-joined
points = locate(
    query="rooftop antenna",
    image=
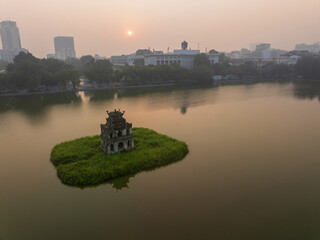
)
(206, 49)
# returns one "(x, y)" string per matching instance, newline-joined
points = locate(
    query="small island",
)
(86, 162)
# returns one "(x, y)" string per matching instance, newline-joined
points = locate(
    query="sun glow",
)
(129, 33)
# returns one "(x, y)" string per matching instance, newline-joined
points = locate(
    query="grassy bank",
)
(82, 162)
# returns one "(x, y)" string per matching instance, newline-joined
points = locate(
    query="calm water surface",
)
(253, 171)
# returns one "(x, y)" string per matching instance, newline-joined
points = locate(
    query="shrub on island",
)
(81, 162)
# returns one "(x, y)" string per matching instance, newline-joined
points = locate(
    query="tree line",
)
(29, 72)
(202, 72)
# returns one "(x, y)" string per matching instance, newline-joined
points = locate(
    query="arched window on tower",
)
(120, 146)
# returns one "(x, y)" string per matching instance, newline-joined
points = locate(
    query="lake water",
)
(253, 171)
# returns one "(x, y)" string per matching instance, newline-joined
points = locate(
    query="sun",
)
(129, 33)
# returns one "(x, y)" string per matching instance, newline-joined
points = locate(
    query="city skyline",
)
(102, 27)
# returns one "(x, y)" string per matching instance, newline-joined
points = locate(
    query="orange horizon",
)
(102, 27)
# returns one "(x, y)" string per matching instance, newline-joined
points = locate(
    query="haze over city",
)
(102, 27)
(171, 119)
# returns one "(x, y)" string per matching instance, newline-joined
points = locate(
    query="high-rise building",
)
(10, 35)
(11, 43)
(263, 50)
(312, 48)
(64, 48)
(253, 46)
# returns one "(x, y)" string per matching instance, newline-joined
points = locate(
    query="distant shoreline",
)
(214, 83)
(82, 89)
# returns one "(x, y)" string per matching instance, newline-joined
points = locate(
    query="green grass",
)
(82, 162)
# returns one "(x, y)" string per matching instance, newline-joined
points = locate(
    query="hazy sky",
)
(101, 26)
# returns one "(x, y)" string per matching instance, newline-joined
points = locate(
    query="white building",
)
(263, 50)
(186, 51)
(235, 55)
(122, 61)
(289, 60)
(182, 57)
(312, 48)
(184, 60)
(213, 58)
(119, 62)
(253, 46)
(9, 55)
(133, 58)
(64, 48)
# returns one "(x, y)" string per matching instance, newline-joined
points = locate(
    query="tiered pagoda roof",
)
(116, 121)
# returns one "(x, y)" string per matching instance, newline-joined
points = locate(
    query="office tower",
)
(263, 50)
(64, 48)
(10, 36)
(11, 43)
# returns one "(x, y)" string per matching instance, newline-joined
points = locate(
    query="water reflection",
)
(36, 105)
(97, 96)
(158, 98)
(181, 98)
(121, 183)
(184, 109)
(307, 91)
(252, 172)
(118, 183)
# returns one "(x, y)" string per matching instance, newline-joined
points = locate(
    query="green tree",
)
(74, 78)
(309, 67)
(139, 62)
(87, 60)
(247, 70)
(62, 77)
(68, 76)
(201, 75)
(201, 59)
(276, 70)
(3, 82)
(222, 57)
(75, 63)
(53, 66)
(224, 68)
(3, 65)
(48, 80)
(27, 74)
(213, 51)
(100, 72)
(22, 56)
